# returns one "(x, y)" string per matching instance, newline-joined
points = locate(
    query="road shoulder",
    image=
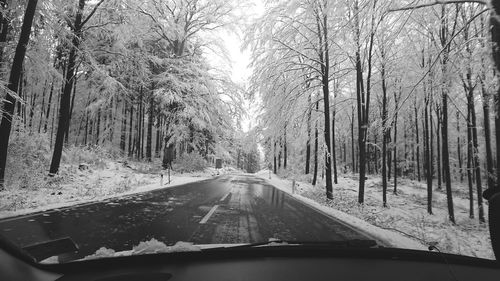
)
(386, 237)
(84, 190)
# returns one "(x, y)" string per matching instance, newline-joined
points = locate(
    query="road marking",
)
(225, 196)
(209, 214)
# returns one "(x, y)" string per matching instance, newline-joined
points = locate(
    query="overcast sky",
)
(240, 73)
(240, 70)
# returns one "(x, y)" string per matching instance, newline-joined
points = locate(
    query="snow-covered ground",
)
(74, 186)
(405, 222)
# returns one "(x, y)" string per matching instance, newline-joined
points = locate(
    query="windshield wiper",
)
(352, 243)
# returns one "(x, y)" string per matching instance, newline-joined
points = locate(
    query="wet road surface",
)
(228, 209)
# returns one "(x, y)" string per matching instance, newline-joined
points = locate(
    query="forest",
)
(386, 89)
(134, 78)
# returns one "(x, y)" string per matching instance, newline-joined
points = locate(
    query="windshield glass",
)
(139, 127)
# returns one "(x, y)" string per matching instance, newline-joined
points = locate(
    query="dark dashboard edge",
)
(266, 252)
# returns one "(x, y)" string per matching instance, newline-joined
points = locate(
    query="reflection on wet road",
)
(229, 209)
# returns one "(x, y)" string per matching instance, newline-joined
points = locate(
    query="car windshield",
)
(157, 126)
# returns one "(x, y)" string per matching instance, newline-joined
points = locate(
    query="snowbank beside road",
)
(87, 186)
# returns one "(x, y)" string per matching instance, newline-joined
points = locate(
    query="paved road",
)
(229, 209)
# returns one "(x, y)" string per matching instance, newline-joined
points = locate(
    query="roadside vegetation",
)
(88, 173)
(379, 89)
(388, 107)
(394, 96)
(94, 86)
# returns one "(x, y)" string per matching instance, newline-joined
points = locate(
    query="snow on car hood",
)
(152, 246)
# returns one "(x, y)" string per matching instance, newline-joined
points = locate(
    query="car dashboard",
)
(267, 263)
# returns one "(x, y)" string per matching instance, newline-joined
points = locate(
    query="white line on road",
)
(209, 214)
(225, 196)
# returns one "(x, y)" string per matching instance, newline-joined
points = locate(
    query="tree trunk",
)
(395, 144)
(105, 124)
(493, 208)
(405, 154)
(308, 143)
(325, 68)
(445, 154)
(163, 134)
(417, 140)
(344, 149)
(362, 97)
(143, 127)
(438, 142)
(64, 107)
(86, 128)
(130, 132)
(353, 156)
(469, 165)
(384, 132)
(20, 92)
(98, 126)
(32, 111)
(9, 102)
(285, 152)
(275, 168)
(139, 126)
(66, 135)
(123, 130)
(54, 113)
(395, 153)
(389, 153)
(49, 103)
(487, 137)
(150, 128)
(486, 119)
(431, 135)
(428, 156)
(316, 136)
(445, 87)
(158, 137)
(446, 157)
(113, 112)
(279, 154)
(375, 154)
(334, 145)
(477, 167)
(459, 150)
(42, 108)
(238, 159)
